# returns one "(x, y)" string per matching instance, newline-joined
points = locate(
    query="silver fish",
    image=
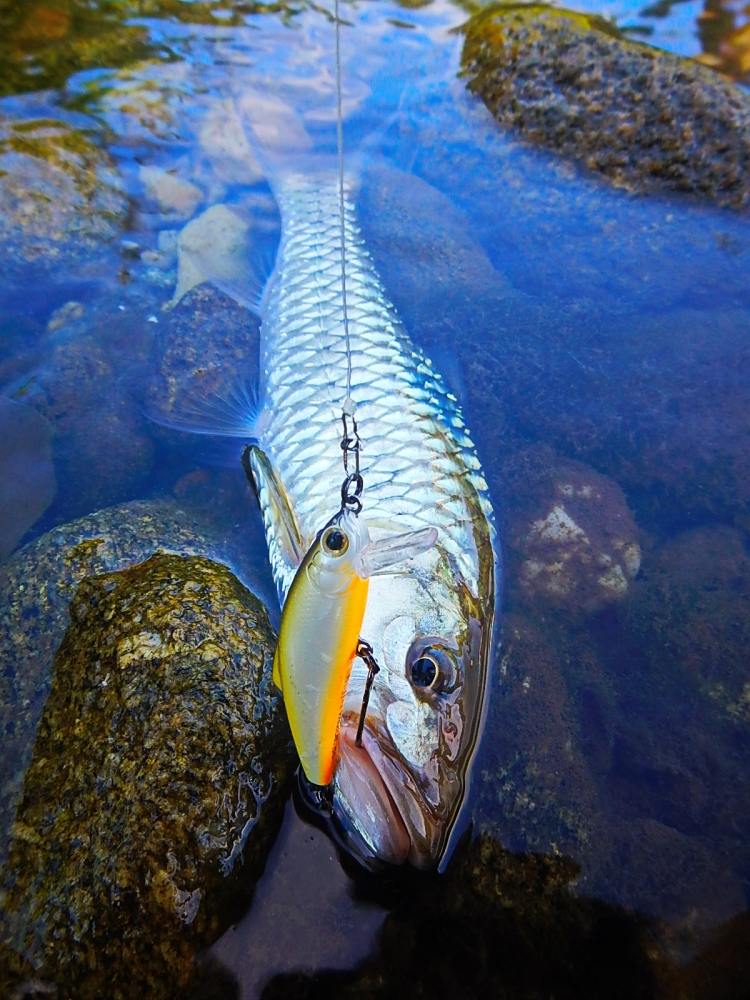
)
(396, 797)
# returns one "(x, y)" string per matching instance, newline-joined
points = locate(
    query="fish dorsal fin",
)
(286, 545)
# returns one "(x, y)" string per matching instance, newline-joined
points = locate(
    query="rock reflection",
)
(497, 925)
(45, 42)
(724, 31)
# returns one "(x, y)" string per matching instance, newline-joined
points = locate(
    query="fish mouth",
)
(365, 804)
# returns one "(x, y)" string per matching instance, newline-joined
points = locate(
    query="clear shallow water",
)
(569, 316)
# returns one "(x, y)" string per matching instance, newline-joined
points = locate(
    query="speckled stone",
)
(645, 119)
(59, 192)
(154, 787)
(573, 539)
(36, 587)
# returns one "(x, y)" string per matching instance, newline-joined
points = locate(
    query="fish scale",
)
(418, 461)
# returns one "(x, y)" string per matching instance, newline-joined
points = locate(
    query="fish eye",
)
(335, 542)
(431, 665)
(424, 672)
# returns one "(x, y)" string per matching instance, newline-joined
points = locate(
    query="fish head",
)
(397, 792)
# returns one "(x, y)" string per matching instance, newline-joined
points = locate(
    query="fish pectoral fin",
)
(382, 555)
(286, 545)
(229, 410)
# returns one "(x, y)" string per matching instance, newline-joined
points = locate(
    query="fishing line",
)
(351, 488)
(348, 403)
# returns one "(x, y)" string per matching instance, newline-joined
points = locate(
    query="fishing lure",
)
(320, 630)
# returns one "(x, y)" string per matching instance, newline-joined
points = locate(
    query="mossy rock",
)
(36, 587)
(59, 192)
(154, 788)
(646, 119)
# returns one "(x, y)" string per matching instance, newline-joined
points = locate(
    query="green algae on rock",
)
(36, 587)
(646, 119)
(59, 192)
(154, 788)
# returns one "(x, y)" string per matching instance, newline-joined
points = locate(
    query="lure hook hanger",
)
(351, 488)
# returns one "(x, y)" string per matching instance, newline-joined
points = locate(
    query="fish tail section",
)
(285, 148)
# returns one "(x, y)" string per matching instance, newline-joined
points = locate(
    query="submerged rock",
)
(224, 144)
(574, 541)
(645, 119)
(206, 365)
(697, 593)
(537, 791)
(154, 788)
(37, 585)
(214, 248)
(27, 478)
(103, 450)
(59, 192)
(175, 196)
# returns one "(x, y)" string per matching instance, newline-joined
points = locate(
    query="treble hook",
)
(365, 652)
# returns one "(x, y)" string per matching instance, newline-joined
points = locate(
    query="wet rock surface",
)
(154, 787)
(38, 583)
(645, 119)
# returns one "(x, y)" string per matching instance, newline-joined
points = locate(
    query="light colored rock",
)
(215, 248)
(66, 313)
(558, 526)
(575, 537)
(174, 195)
(223, 141)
